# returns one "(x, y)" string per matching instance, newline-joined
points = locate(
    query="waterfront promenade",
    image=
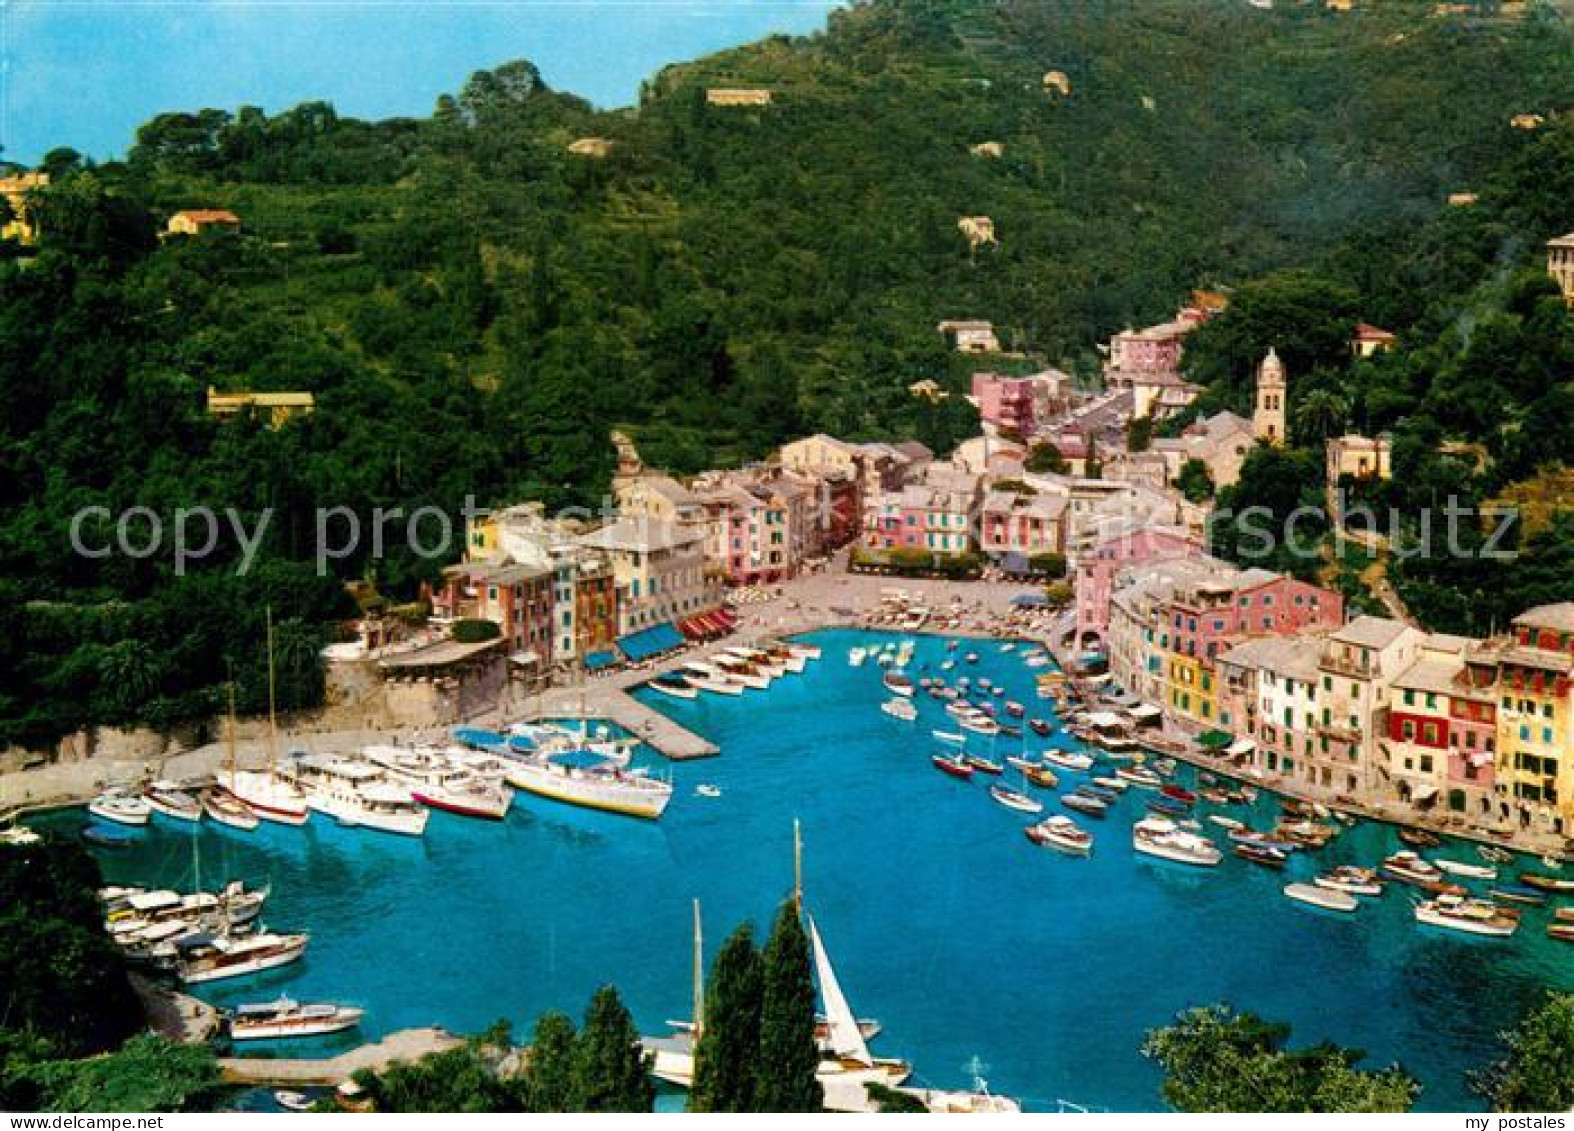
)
(405, 1045)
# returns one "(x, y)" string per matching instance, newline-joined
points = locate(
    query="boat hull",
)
(647, 805)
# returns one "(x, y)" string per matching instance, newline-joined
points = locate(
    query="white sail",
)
(846, 1039)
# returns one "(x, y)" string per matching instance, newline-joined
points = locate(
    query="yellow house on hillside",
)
(278, 407)
(192, 221)
(15, 190)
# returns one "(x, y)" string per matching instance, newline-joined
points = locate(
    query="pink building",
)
(1204, 614)
(1020, 525)
(1005, 402)
(1096, 570)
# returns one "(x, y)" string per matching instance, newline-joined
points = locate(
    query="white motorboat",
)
(1160, 837)
(950, 738)
(1327, 898)
(1410, 868)
(897, 683)
(1015, 799)
(438, 782)
(1228, 823)
(1068, 759)
(1463, 868)
(741, 671)
(1351, 880)
(804, 648)
(766, 663)
(594, 787)
(120, 807)
(213, 958)
(170, 800)
(1139, 776)
(1472, 916)
(900, 709)
(1061, 833)
(856, 656)
(234, 905)
(355, 793)
(293, 1101)
(285, 1017)
(1114, 783)
(978, 724)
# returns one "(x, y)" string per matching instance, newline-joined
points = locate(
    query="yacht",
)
(354, 793)
(1464, 868)
(1472, 916)
(273, 1020)
(612, 790)
(212, 958)
(1350, 880)
(234, 905)
(1161, 837)
(1409, 868)
(1139, 776)
(269, 796)
(1061, 833)
(437, 781)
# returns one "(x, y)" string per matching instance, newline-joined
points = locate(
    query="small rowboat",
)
(1545, 883)
(223, 807)
(955, 766)
(1419, 838)
(1322, 897)
(1229, 823)
(1109, 797)
(1168, 807)
(1013, 799)
(1564, 914)
(950, 738)
(293, 1101)
(982, 765)
(1039, 727)
(1041, 776)
(105, 836)
(1178, 793)
(1260, 854)
(1082, 803)
(1514, 893)
(1563, 932)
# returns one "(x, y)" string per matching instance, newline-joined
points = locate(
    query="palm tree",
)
(1321, 413)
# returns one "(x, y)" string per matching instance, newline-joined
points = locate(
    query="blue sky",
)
(86, 73)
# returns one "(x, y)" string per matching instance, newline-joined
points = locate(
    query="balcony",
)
(1345, 665)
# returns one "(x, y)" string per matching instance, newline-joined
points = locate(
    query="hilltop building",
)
(1268, 417)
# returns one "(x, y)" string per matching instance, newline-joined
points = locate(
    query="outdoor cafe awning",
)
(595, 661)
(649, 642)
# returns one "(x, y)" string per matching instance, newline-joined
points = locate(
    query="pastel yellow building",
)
(15, 190)
(194, 221)
(277, 407)
(737, 96)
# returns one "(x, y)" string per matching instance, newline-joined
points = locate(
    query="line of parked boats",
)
(735, 669)
(392, 788)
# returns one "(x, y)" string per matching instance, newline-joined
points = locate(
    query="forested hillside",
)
(474, 306)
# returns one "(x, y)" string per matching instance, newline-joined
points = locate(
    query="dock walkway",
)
(656, 730)
(407, 1044)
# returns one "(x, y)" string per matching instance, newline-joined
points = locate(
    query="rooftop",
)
(1558, 617)
(1370, 632)
(643, 535)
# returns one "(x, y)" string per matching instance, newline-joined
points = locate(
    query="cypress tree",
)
(726, 1057)
(789, 1055)
(610, 1073)
(549, 1082)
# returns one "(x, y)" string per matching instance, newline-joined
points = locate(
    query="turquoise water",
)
(944, 921)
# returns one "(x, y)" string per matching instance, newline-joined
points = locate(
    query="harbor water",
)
(972, 946)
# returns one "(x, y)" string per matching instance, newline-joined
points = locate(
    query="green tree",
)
(549, 1079)
(460, 1079)
(1216, 1060)
(1320, 413)
(610, 1069)
(1139, 433)
(1045, 458)
(1538, 1072)
(889, 1100)
(147, 1073)
(789, 1053)
(1195, 481)
(726, 1058)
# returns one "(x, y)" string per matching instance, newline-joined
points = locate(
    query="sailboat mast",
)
(229, 734)
(273, 725)
(797, 866)
(699, 973)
